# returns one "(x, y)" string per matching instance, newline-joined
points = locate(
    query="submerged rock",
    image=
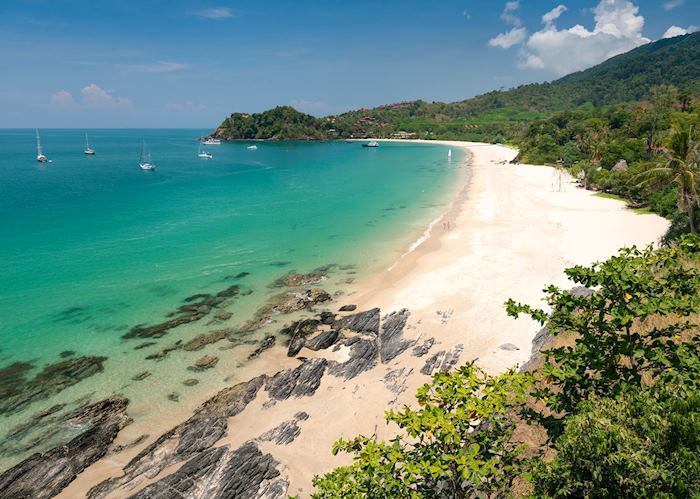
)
(204, 339)
(190, 382)
(297, 280)
(293, 301)
(141, 376)
(16, 392)
(205, 362)
(44, 475)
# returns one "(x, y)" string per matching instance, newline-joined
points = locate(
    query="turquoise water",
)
(91, 246)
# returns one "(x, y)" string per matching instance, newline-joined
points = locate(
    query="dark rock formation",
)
(442, 361)
(141, 376)
(16, 392)
(218, 473)
(45, 475)
(322, 340)
(509, 347)
(297, 333)
(293, 301)
(297, 280)
(391, 342)
(362, 322)
(347, 308)
(423, 348)
(268, 342)
(302, 381)
(201, 431)
(363, 356)
(190, 382)
(286, 432)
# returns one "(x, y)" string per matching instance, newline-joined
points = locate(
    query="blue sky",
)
(180, 63)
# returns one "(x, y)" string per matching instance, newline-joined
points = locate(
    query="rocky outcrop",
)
(16, 392)
(218, 473)
(286, 432)
(204, 363)
(363, 356)
(322, 340)
(293, 301)
(362, 322)
(297, 280)
(197, 434)
(297, 333)
(348, 308)
(423, 348)
(44, 475)
(302, 381)
(442, 361)
(391, 342)
(204, 339)
(268, 342)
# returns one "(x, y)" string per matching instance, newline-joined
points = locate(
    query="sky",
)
(187, 63)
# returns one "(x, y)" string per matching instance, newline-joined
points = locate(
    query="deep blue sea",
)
(91, 246)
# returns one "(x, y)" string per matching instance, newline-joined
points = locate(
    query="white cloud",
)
(677, 31)
(215, 13)
(95, 96)
(672, 4)
(618, 29)
(553, 14)
(509, 38)
(63, 99)
(508, 15)
(157, 67)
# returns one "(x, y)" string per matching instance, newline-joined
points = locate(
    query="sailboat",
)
(145, 162)
(39, 154)
(203, 154)
(449, 154)
(88, 150)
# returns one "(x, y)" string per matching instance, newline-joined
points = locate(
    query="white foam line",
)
(415, 244)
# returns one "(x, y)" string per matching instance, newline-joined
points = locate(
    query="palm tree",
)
(680, 167)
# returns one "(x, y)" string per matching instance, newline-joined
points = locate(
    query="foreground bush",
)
(645, 443)
(457, 445)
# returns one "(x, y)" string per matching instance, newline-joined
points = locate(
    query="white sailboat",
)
(39, 154)
(371, 143)
(145, 162)
(252, 148)
(88, 150)
(203, 154)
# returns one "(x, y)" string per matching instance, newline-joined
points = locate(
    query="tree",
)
(680, 167)
(457, 445)
(629, 327)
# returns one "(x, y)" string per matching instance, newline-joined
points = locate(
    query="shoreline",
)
(509, 236)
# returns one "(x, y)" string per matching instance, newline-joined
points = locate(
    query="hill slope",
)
(491, 116)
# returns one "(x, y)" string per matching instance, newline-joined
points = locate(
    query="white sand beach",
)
(511, 232)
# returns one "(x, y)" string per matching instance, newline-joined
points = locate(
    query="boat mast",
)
(38, 144)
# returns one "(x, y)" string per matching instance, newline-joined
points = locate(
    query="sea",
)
(92, 246)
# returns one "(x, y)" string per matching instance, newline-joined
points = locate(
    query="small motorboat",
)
(145, 162)
(252, 148)
(371, 143)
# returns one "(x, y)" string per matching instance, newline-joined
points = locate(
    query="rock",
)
(141, 376)
(16, 392)
(322, 340)
(509, 347)
(174, 397)
(293, 301)
(297, 332)
(144, 345)
(286, 432)
(44, 475)
(223, 315)
(245, 473)
(296, 280)
(422, 349)
(326, 318)
(204, 339)
(302, 381)
(134, 443)
(190, 382)
(347, 308)
(268, 342)
(205, 362)
(620, 166)
(391, 342)
(192, 437)
(363, 356)
(66, 353)
(164, 353)
(362, 322)
(442, 361)
(396, 379)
